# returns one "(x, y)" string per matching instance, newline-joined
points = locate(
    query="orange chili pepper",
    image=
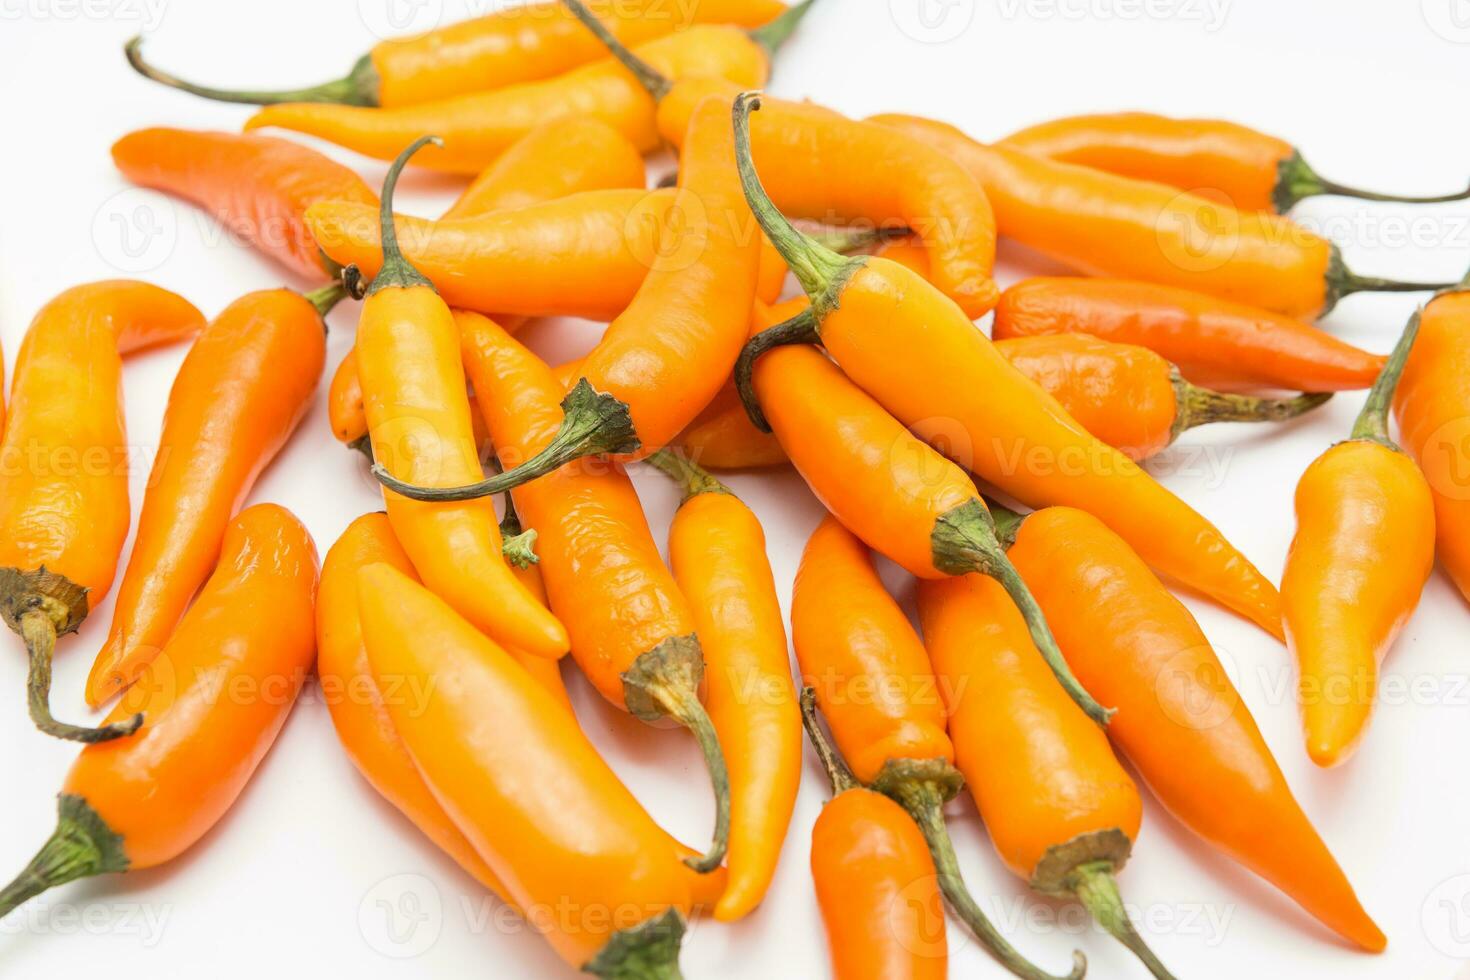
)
(64, 486)
(1180, 721)
(667, 355)
(632, 631)
(478, 128)
(1130, 397)
(1213, 342)
(1364, 547)
(1106, 225)
(872, 678)
(1248, 169)
(718, 553)
(137, 802)
(1060, 810)
(523, 44)
(519, 548)
(722, 438)
(1432, 405)
(483, 745)
(419, 418)
(920, 357)
(246, 383)
(876, 883)
(258, 187)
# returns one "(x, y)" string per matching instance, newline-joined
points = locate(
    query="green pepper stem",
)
(833, 764)
(800, 329)
(1195, 406)
(1342, 281)
(397, 271)
(647, 951)
(664, 683)
(518, 545)
(657, 84)
(774, 35)
(922, 788)
(1296, 180)
(1007, 523)
(690, 477)
(821, 271)
(593, 424)
(359, 87)
(325, 298)
(1372, 422)
(81, 846)
(1097, 889)
(964, 540)
(364, 445)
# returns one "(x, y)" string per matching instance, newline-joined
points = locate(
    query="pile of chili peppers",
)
(1050, 648)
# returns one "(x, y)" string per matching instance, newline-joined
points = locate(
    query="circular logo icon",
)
(135, 230)
(916, 920)
(1445, 917)
(932, 21)
(1194, 688)
(390, 20)
(1445, 459)
(1196, 234)
(1450, 19)
(401, 917)
(672, 239)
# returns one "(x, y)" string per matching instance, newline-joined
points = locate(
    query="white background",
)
(296, 879)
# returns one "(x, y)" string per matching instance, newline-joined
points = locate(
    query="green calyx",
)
(1007, 523)
(800, 329)
(1195, 406)
(690, 477)
(396, 270)
(964, 540)
(40, 605)
(1372, 421)
(1342, 281)
(593, 424)
(82, 846)
(773, 36)
(1296, 180)
(664, 683)
(922, 787)
(648, 76)
(647, 951)
(327, 297)
(518, 545)
(359, 87)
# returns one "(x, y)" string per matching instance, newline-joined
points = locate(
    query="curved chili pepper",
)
(484, 743)
(1180, 721)
(1249, 169)
(419, 419)
(667, 355)
(479, 128)
(1432, 404)
(722, 438)
(64, 482)
(140, 801)
(1106, 225)
(632, 631)
(1060, 810)
(1130, 397)
(876, 883)
(1364, 547)
(718, 553)
(524, 44)
(242, 389)
(258, 187)
(868, 309)
(1215, 343)
(872, 679)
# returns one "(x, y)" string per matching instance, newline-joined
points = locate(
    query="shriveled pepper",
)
(1060, 810)
(1106, 225)
(662, 361)
(258, 187)
(920, 357)
(718, 553)
(1364, 547)
(242, 389)
(507, 47)
(1247, 168)
(1213, 342)
(232, 677)
(876, 883)
(419, 419)
(632, 631)
(1180, 721)
(873, 681)
(1432, 404)
(64, 483)
(484, 744)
